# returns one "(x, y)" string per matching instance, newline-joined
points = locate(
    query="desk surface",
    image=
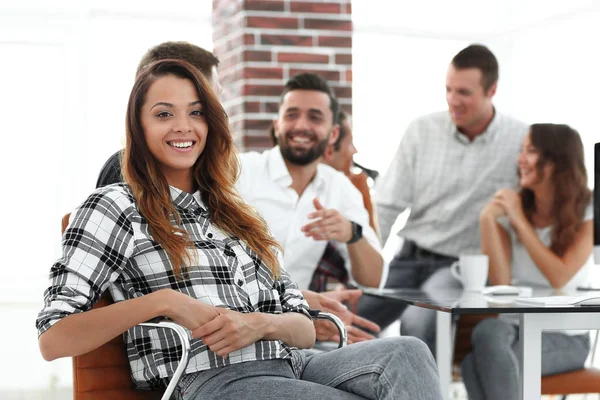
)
(457, 301)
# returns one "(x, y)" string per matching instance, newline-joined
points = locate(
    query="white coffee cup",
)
(471, 270)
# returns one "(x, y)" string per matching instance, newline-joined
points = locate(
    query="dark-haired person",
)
(538, 236)
(200, 58)
(332, 268)
(446, 168)
(176, 240)
(340, 155)
(307, 203)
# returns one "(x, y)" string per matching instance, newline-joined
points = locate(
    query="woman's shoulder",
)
(108, 206)
(115, 190)
(117, 195)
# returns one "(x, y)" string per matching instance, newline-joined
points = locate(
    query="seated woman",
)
(540, 236)
(177, 241)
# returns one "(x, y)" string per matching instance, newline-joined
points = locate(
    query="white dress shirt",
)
(446, 180)
(265, 182)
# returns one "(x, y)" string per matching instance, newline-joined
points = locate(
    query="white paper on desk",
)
(554, 301)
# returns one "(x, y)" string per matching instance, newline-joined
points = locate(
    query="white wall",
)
(549, 68)
(66, 72)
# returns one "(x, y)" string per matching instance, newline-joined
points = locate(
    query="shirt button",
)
(240, 282)
(210, 235)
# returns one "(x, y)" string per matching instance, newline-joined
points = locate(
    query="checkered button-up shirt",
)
(108, 246)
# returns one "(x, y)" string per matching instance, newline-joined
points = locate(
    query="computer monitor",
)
(597, 204)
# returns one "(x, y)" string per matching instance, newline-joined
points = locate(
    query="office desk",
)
(533, 320)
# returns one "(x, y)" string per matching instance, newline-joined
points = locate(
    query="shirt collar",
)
(188, 201)
(279, 173)
(485, 136)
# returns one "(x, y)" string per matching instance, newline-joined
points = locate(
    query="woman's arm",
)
(495, 243)
(293, 329)
(233, 330)
(558, 270)
(83, 332)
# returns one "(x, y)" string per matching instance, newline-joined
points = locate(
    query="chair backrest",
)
(104, 373)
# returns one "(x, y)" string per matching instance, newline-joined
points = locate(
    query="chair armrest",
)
(185, 344)
(185, 353)
(317, 314)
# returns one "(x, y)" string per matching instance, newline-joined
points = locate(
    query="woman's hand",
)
(185, 310)
(231, 331)
(492, 210)
(510, 201)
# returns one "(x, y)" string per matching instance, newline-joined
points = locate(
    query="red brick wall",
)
(262, 43)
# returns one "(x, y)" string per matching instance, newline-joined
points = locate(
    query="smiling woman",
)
(174, 127)
(177, 226)
(182, 244)
(171, 105)
(540, 237)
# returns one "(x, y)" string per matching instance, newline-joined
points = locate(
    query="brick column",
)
(262, 43)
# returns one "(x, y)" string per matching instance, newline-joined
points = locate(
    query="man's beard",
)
(300, 156)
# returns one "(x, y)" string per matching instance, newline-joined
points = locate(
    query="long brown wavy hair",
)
(561, 146)
(215, 173)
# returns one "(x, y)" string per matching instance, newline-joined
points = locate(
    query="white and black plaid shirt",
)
(108, 246)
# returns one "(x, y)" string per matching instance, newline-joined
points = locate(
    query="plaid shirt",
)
(108, 246)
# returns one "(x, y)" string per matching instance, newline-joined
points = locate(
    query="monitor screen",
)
(597, 203)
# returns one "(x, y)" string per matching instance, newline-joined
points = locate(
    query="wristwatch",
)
(356, 233)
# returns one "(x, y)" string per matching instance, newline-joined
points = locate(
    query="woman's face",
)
(174, 126)
(527, 163)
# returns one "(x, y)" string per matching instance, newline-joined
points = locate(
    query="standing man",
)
(447, 167)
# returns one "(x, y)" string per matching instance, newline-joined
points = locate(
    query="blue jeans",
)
(391, 368)
(491, 371)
